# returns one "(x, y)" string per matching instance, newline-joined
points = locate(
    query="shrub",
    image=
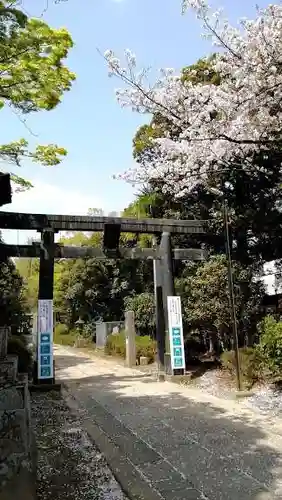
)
(17, 346)
(143, 306)
(115, 345)
(89, 329)
(61, 329)
(250, 364)
(63, 336)
(270, 347)
(145, 346)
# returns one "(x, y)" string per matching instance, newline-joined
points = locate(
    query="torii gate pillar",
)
(44, 372)
(168, 290)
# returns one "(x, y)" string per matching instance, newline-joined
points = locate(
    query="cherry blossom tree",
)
(233, 123)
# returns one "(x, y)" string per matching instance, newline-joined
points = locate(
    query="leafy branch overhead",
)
(33, 76)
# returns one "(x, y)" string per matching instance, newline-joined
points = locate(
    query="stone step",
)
(14, 434)
(9, 368)
(11, 398)
(18, 453)
(19, 486)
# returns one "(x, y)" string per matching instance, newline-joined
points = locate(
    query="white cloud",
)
(47, 199)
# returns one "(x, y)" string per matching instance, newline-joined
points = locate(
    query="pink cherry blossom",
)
(247, 103)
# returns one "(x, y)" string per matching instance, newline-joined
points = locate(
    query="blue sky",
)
(89, 123)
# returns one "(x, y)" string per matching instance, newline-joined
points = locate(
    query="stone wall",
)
(17, 446)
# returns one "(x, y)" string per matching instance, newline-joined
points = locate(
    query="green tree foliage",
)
(89, 288)
(204, 292)
(140, 208)
(13, 309)
(201, 72)
(28, 269)
(32, 77)
(92, 289)
(270, 347)
(143, 306)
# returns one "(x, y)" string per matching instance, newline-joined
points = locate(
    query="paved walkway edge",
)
(133, 484)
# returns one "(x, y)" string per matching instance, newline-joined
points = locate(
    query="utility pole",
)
(231, 295)
(220, 195)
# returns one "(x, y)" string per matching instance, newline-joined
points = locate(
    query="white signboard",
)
(176, 333)
(45, 339)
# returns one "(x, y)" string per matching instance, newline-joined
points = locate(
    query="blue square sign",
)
(45, 360)
(45, 371)
(45, 338)
(45, 349)
(178, 361)
(177, 351)
(176, 341)
(176, 331)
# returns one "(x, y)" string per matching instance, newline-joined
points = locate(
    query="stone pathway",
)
(177, 442)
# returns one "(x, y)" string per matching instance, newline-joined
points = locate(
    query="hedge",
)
(145, 346)
(63, 336)
(250, 364)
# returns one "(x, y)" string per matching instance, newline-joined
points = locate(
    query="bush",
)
(89, 330)
(115, 345)
(145, 346)
(17, 346)
(63, 336)
(61, 329)
(143, 306)
(270, 347)
(250, 364)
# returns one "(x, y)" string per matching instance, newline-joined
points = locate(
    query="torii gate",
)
(47, 251)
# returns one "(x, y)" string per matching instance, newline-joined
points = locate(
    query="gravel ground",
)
(69, 464)
(265, 399)
(216, 383)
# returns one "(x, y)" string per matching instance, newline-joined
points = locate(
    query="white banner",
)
(45, 339)
(176, 339)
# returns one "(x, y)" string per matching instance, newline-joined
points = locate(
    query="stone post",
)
(130, 342)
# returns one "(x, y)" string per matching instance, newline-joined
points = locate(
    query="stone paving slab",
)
(133, 482)
(134, 448)
(216, 448)
(165, 478)
(130, 452)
